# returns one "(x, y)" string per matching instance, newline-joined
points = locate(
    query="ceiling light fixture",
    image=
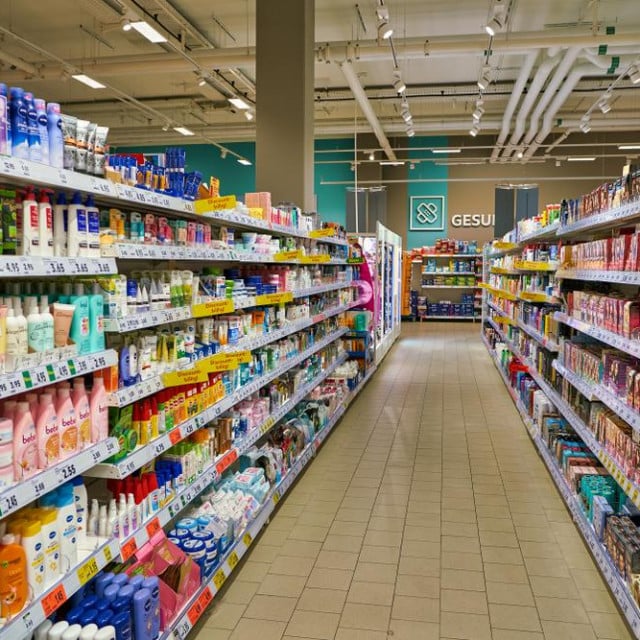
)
(581, 158)
(146, 30)
(634, 74)
(520, 154)
(406, 115)
(411, 132)
(239, 103)
(184, 131)
(223, 153)
(485, 78)
(126, 25)
(385, 30)
(445, 150)
(372, 156)
(604, 105)
(391, 163)
(249, 115)
(244, 161)
(585, 124)
(398, 83)
(202, 81)
(166, 127)
(473, 132)
(629, 147)
(495, 25)
(90, 82)
(478, 113)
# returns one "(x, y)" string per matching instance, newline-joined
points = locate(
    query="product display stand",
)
(326, 302)
(564, 371)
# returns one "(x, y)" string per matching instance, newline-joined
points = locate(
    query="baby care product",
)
(14, 587)
(31, 542)
(67, 423)
(51, 543)
(25, 449)
(47, 433)
(67, 527)
(83, 413)
(99, 411)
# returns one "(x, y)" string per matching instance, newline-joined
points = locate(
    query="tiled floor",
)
(426, 515)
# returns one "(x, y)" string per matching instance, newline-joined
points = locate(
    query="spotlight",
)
(410, 132)
(166, 127)
(494, 25)
(406, 114)
(126, 25)
(605, 107)
(634, 74)
(398, 83)
(385, 30)
(372, 156)
(202, 81)
(223, 154)
(473, 132)
(478, 113)
(249, 115)
(520, 154)
(485, 78)
(585, 125)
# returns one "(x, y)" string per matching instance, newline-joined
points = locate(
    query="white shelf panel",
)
(627, 345)
(42, 375)
(140, 390)
(592, 275)
(146, 453)
(34, 266)
(138, 321)
(25, 492)
(614, 217)
(548, 232)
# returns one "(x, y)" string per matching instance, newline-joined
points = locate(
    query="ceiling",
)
(546, 49)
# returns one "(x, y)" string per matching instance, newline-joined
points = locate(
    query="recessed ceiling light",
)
(244, 161)
(146, 30)
(391, 163)
(239, 103)
(445, 150)
(581, 158)
(90, 82)
(184, 131)
(628, 147)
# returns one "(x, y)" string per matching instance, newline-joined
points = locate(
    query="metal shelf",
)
(596, 275)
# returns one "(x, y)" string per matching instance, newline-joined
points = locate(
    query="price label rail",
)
(146, 453)
(593, 275)
(604, 221)
(17, 382)
(127, 395)
(36, 266)
(548, 344)
(138, 321)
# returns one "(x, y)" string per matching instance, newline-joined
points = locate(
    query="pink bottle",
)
(9, 409)
(99, 411)
(32, 399)
(67, 423)
(25, 448)
(83, 413)
(47, 432)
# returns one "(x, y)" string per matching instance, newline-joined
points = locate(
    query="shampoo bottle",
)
(67, 423)
(96, 320)
(45, 224)
(77, 227)
(72, 632)
(80, 323)
(60, 226)
(99, 411)
(48, 436)
(83, 413)
(25, 450)
(14, 586)
(67, 527)
(106, 633)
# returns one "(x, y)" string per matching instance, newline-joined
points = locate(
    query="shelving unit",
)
(96, 461)
(503, 319)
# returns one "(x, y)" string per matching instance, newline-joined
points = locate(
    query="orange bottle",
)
(13, 577)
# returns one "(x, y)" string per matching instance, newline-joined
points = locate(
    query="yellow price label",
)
(268, 423)
(108, 556)
(274, 298)
(634, 497)
(322, 233)
(87, 571)
(276, 498)
(283, 256)
(223, 362)
(315, 259)
(256, 212)
(212, 308)
(247, 539)
(219, 578)
(188, 376)
(222, 203)
(233, 560)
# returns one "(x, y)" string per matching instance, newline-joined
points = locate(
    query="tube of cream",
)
(62, 316)
(69, 124)
(82, 133)
(99, 149)
(91, 145)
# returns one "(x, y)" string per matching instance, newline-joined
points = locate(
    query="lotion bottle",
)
(60, 213)
(48, 326)
(45, 224)
(30, 225)
(51, 544)
(31, 542)
(93, 228)
(67, 527)
(83, 413)
(80, 323)
(47, 432)
(67, 423)
(14, 587)
(25, 450)
(77, 227)
(96, 320)
(99, 410)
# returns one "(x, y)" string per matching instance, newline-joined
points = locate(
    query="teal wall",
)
(332, 199)
(426, 170)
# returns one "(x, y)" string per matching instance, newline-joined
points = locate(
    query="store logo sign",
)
(473, 220)
(426, 213)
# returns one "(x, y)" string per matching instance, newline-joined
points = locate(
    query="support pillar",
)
(285, 100)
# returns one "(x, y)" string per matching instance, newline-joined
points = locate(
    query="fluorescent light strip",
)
(239, 103)
(445, 150)
(146, 30)
(581, 158)
(244, 161)
(629, 147)
(184, 131)
(90, 82)
(391, 163)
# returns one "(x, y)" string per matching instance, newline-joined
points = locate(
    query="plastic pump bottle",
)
(45, 224)
(77, 228)
(67, 423)
(56, 139)
(99, 411)
(14, 587)
(21, 321)
(34, 327)
(83, 413)
(47, 432)
(67, 526)
(47, 325)
(60, 226)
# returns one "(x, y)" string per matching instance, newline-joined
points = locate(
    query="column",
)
(285, 97)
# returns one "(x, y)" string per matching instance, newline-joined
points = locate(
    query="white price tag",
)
(187, 206)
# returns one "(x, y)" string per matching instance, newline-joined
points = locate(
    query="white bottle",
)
(81, 502)
(76, 228)
(13, 338)
(30, 232)
(92, 524)
(93, 228)
(134, 513)
(42, 630)
(23, 341)
(34, 326)
(55, 633)
(112, 518)
(47, 325)
(106, 633)
(123, 515)
(60, 226)
(31, 542)
(45, 224)
(102, 522)
(72, 632)
(51, 542)
(88, 632)
(67, 527)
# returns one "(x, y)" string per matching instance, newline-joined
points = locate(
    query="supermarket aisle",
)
(427, 514)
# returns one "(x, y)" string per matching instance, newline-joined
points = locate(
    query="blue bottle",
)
(5, 122)
(43, 128)
(19, 125)
(135, 582)
(88, 616)
(142, 614)
(111, 592)
(153, 585)
(120, 579)
(102, 582)
(122, 623)
(56, 139)
(35, 146)
(104, 618)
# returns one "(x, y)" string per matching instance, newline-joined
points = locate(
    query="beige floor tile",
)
(507, 616)
(567, 631)
(596, 601)
(412, 630)
(419, 566)
(365, 616)
(587, 578)
(385, 524)
(498, 539)
(225, 615)
(359, 634)
(264, 552)
(303, 549)
(546, 567)
(511, 573)
(460, 544)
(330, 579)
(416, 609)
(371, 593)
(335, 542)
(309, 533)
(421, 534)
(511, 634)
(510, 593)
(609, 625)
(285, 586)
(554, 587)
(342, 528)
(561, 610)
(249, 629)
(271, 608)
(292, 566)
(324, 600)
(353, 515)
(313, 624)
(336, 560)
(255, 571)
(467, 561)
(463, 601)
(420, 549)
(417, 586)
(383, 538)
(461, 579)
(375, 572)
(239, 592)
(211, 633)
(502, 555)
(464, 626)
